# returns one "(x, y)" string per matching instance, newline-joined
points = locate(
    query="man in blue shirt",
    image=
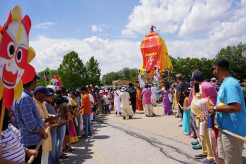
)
(28, 119)
(231, 116)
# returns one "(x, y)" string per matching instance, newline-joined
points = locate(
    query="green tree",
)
(133, 75)
(93, 72)
(72, 71)
(124, 74)
(41, 81)
(185, 66)
(234, 54)
(110, 77)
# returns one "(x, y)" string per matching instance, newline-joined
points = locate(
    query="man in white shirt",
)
(141, 82)
(117, 102)
(124, 98)
(156, 76)
(106, 98)
(153, 95)
(92, 101)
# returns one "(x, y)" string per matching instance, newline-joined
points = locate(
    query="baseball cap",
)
(198, 76)
(50, 90)
(29, 74)
(41, 89)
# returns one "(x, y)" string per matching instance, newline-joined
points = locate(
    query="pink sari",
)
(73, 134)
(208, 90)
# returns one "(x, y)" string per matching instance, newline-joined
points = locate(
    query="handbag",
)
(61, 122)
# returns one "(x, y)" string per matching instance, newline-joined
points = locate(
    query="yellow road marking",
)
(94, 154)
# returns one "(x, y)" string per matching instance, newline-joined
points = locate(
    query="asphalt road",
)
(114, 143)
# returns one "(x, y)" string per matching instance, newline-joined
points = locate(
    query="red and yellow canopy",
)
(155, 54)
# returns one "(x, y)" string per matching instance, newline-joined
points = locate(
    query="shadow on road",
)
(101, 137)
(157, 116)
(81, 152)
(244, 159)
(82, 149)
(135, 118)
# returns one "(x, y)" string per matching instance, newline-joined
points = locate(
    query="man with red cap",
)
(29, 122)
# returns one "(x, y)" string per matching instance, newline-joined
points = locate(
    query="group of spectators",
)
(59, 117)
(63, 116)
(202, 105)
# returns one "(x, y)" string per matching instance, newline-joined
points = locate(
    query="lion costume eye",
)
(19, 56)
(11, 49)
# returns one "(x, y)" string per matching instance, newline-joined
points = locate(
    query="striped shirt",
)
(12, 149)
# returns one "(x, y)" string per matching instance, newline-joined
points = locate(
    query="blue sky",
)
(73, 19)
(112, 31)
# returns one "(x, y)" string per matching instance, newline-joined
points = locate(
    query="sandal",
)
(70, 150)
(63, 157)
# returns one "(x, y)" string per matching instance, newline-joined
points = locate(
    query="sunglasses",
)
(213, 69)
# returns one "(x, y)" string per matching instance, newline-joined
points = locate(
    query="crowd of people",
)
(62, 117)
(203, 106)
(59, 116)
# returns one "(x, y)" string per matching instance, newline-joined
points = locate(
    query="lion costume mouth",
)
(8, 78)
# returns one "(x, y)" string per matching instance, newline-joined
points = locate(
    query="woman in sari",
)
(166, 102)
(138, 99)
(199, 106)
(73, 134)
(209, 94)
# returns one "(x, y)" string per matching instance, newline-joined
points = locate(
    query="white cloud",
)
(189, 18)
(205, 16)
(95, 28)
(99, 28)
(111, 55)
(166, 15)
(228, 30)
(115, 55)
(44, 25)
(195, 28)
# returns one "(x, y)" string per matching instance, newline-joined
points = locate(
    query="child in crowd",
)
(11, 148)
(186, 115)
(174, 104)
